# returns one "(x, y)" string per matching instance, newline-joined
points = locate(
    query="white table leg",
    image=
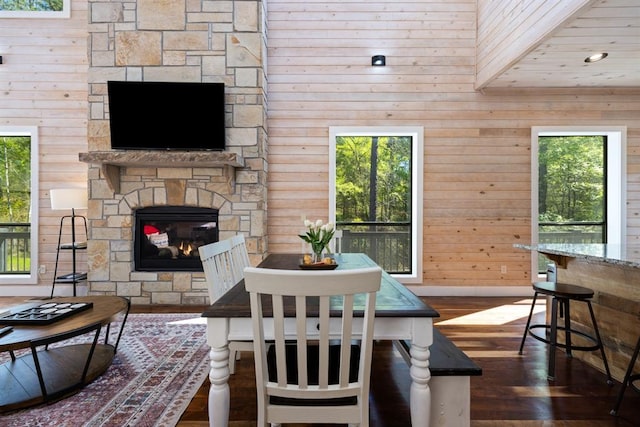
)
(420, 393)
(219, 394)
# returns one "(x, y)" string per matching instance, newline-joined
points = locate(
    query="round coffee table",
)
(50, 372)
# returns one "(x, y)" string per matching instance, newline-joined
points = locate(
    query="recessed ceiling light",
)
(596, 57)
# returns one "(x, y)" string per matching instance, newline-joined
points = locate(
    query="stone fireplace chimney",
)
(175, 41)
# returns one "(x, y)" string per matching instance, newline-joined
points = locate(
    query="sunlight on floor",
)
(543, 391)
(191, 321)
(498, 315)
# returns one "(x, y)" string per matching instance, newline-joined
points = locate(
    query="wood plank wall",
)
(43, 81)
(477, 160)
(477, 200)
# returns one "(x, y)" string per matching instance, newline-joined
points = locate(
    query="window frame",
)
(616, 155)
(32, 277)
(417, 165)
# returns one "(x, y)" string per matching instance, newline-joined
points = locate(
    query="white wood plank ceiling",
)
(611, 26)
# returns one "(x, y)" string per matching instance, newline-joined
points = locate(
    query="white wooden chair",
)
(308, 378)
(222, 274)
(217, 263)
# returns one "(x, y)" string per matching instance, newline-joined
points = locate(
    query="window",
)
(376, 195)
(18, 205)
(578, 186)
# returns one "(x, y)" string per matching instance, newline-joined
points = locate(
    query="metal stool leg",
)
(600, 344)
(551, 373)
(567, 326)
(627, 379)
(526, 328)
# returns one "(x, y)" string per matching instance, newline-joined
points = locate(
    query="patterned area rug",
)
(161, 362)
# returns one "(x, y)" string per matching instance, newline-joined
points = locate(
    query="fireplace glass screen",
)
(167, 238)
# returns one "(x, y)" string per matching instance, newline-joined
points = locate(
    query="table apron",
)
(416, 329)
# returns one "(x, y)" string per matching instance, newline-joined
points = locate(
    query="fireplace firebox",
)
(167, 238)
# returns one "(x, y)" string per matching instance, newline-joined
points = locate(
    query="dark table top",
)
(105, 309)
(393, 299)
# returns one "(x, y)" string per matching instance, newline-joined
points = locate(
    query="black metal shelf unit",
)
(75, 276)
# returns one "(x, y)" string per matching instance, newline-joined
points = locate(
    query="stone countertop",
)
(624, 255)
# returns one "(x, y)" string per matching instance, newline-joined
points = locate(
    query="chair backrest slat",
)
(301, 337)
(347, 332)
(323, 372)
(240, 255)
(337, 241)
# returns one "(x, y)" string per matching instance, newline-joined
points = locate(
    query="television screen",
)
(166, 115)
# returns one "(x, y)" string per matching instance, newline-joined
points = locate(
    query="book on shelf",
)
(76, 245)
(72, 277)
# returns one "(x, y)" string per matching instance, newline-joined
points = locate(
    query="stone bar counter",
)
(613, 273)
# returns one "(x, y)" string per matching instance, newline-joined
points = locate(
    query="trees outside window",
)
(375, 189)
(373, 182)
(33, 5)
(578, 186)
(18, 205)
(15, 178)
(572, 190)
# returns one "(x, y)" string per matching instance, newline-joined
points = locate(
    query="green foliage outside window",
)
(373, 198)
(571, 179)
(373, 179)
(15, 179)
(15, 204)
(32, 5)
(571, 191)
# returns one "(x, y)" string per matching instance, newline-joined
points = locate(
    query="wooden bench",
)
(451, 371)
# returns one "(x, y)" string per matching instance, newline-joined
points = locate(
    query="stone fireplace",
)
(123, 183)
(195, 41)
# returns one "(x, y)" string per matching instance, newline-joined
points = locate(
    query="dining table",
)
(400, 315)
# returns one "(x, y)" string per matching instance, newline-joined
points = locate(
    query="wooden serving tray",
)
(318, 266)
(45, 313)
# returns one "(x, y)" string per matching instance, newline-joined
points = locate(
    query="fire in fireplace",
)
(167, 238)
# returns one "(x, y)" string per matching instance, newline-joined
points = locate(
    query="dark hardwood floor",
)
(513, 390)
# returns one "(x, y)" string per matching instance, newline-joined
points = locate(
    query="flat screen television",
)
(166, 115)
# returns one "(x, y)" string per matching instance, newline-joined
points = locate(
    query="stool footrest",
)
(595, 345)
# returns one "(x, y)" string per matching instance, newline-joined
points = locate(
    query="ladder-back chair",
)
(217, 263)
(222, 274)
(312, 374)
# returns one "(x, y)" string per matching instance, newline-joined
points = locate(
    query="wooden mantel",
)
(112, 161)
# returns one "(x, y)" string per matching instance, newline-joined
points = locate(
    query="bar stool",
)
(562, 294)
(629, 379)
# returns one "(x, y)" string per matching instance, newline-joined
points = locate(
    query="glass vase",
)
(317, 256)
